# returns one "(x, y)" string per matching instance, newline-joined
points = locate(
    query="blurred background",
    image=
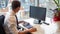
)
(5, 7)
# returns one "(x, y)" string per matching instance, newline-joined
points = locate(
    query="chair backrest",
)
(2, 31)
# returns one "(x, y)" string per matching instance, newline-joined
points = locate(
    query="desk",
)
(37, 26)
(43, 29)
(39, 29)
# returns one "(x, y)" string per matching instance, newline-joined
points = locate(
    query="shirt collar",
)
(13, 13)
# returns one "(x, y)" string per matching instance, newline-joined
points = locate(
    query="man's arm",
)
(29, 30)
(13, 27)
(32, 29)
(12, 23)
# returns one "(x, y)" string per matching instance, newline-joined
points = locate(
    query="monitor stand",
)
(39, 22)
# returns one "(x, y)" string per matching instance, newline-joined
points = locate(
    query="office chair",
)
(2, 31)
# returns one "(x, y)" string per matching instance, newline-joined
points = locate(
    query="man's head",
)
(16, 6)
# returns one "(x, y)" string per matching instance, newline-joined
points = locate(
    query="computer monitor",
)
(38, 13)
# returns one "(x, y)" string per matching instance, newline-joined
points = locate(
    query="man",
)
(10, 23)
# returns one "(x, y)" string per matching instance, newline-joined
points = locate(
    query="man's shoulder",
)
(10, 18)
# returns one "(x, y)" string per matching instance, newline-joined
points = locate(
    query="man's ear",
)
(21, 8)
(18, 8)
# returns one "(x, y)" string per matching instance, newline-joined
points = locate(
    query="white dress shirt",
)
(10, 25)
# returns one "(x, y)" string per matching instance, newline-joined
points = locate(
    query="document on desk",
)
(26, 26)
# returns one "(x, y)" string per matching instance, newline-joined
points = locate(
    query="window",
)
(49, 4)
(27, 3)
(3, 3)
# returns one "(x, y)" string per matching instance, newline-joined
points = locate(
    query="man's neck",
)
(13, 12)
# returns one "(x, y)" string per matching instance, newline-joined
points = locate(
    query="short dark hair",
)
(15, 4)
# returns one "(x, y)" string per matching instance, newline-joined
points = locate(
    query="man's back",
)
(10, 23)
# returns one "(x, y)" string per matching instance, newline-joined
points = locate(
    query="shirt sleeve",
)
(12, 24)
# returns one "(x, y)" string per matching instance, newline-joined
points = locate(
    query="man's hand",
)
(32, 30)
(29, 30)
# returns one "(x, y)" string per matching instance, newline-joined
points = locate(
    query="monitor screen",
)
(38, 13)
